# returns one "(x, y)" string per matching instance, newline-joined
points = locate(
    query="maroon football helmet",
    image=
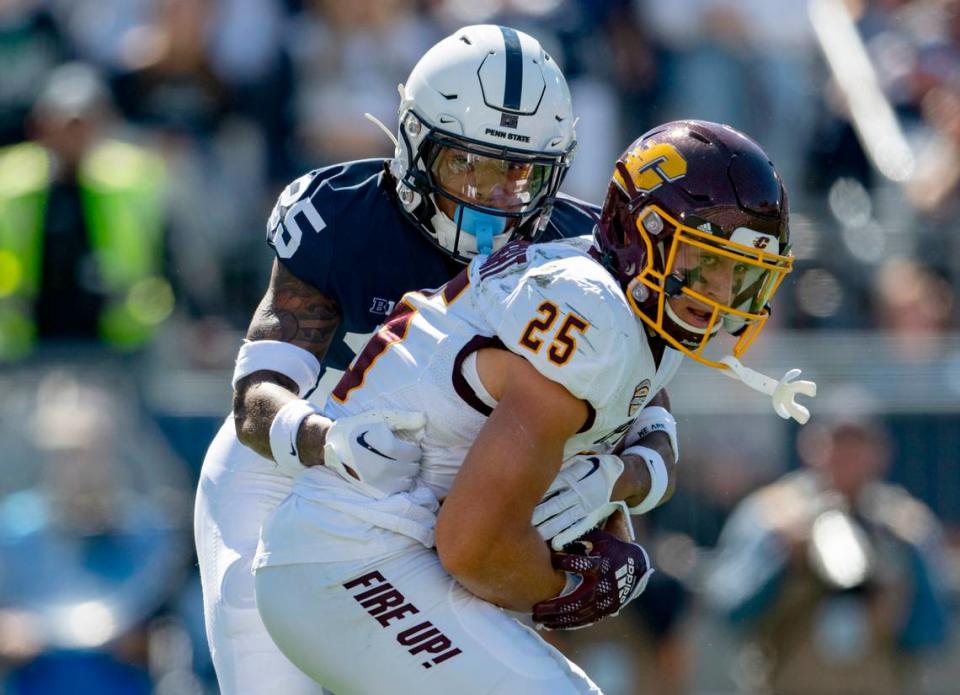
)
(695, 227)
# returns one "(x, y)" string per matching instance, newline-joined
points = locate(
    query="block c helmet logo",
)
(650, 168)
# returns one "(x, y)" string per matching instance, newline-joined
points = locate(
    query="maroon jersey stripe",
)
(456, 286)
(392, 331)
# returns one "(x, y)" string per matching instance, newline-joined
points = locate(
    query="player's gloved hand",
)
(377, 451)
(613, 572)
(580, 489)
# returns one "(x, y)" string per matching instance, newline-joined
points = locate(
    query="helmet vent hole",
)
(697, 136)
(466, 39)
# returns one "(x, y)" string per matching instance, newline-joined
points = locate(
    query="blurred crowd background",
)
(142, 144)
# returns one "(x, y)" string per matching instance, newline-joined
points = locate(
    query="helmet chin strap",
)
(377, 122)
(783, 393)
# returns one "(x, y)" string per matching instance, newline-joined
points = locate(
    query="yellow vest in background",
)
(122, 193)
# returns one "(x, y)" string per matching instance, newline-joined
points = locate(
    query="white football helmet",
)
(485, 138)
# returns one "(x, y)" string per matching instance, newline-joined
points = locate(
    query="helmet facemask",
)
(696, 282)
(475, 197)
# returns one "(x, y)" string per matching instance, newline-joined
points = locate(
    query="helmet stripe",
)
(513, 84)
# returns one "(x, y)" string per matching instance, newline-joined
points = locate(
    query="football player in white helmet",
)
(528, 358)
(486, 134)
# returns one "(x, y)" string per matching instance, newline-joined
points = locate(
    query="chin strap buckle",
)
(783, 393)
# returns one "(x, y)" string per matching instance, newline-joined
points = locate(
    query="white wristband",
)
(657, 419)
(283, 435)
(277, 356)
(658, 478)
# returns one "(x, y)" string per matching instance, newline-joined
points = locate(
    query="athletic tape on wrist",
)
(659, 478)
(277, 356)
(283, 435)
(657, 419)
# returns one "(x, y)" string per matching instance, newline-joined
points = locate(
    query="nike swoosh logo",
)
(596, 467)
(362, 441)
(446, 120)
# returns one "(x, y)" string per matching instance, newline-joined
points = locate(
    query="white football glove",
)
(578, 499)
(377, 451)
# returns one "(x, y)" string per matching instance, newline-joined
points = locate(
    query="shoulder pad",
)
(314, 201)
(293, 214)
(305, 228)
(566, 315)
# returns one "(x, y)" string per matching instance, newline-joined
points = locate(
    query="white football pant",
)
(403, 625)
(238, 488)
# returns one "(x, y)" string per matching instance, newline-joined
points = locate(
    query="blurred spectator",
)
(746, 63)
(92, 537)
(935, 87)
(349, 58)
(190, 66)
(210, 80)
(832, 574)
(169, 81)
(81, 237)
(611, 64)
(913, 304)
(31, 46)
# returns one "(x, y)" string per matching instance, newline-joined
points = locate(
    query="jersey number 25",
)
(564, 342)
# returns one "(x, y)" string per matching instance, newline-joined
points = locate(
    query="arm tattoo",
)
(295, 312)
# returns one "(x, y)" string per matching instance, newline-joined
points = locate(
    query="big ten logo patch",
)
(651, 167)
(382, 601)
(640, 394)
(382, 306)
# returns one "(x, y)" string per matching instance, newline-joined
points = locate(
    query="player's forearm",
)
(257, 401)
(515, 572)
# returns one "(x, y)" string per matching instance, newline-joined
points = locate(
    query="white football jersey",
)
(550, 303)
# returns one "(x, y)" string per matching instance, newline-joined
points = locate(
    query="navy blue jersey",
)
(341, 230)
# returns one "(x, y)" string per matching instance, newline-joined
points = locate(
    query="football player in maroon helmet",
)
(695, 227)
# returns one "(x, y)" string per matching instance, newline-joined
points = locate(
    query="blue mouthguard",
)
(480, 225)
